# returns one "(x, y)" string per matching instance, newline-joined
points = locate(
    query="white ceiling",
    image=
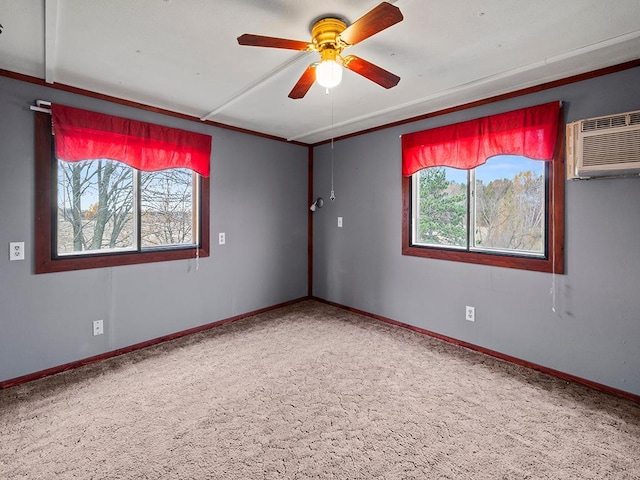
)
(182, 55)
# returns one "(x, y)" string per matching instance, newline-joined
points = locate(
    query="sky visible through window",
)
(497, 167)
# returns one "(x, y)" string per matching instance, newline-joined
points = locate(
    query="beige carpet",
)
(310, 391)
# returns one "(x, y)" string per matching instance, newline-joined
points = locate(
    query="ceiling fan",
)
(329, 37)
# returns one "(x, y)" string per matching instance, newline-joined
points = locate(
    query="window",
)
(505, 211)
(496, 207)
(100, 212)
(107, 206)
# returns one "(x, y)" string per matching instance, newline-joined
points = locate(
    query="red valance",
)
(84, 135)
(530, 132)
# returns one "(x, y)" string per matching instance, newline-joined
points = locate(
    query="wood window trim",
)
(553, 263)
(45, 209)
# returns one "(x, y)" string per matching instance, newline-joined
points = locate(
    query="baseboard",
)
(493, 353)
(138, 346)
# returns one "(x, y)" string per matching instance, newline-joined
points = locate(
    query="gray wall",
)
(595, 330)
(258, 198)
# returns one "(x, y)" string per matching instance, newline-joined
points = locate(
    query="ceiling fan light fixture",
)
(328, 73)
(330, 35)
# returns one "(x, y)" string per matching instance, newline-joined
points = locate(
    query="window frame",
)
(46, 206)
(552, 262)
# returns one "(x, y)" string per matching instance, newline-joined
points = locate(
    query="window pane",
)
(441, 207)
(510, 205)
(95, 207)
(168, 212)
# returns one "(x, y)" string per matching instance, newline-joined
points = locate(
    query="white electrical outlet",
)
(221, 238)
(98, 327)
(340, 222)
(470, 313)
(16, 251)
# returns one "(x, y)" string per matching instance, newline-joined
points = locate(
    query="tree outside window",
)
(103, 203)
(498, 207)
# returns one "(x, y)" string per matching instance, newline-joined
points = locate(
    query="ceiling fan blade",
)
(273, 42)
(381, 17)
(373, 72)
(304, 83)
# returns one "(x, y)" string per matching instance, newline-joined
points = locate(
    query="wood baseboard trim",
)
(492, 353)
(138, 346)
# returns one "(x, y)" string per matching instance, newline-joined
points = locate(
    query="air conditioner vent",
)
(612, 148)
(604, 146)
(604, 122)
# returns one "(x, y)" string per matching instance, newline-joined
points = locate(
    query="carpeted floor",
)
(311, 391)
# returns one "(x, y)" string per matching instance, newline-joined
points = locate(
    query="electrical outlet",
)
(470, 313)
(221, 238)
(16, 251)
(98, 327)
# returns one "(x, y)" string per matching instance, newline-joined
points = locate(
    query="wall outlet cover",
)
(470, 313)
(98, 327)
(16, 251)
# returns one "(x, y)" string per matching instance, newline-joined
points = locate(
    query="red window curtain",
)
(530, 132)
(84, 135)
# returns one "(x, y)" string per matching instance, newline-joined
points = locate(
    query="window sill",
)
(506, 261)
(64, 264)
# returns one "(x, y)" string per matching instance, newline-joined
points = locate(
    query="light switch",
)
(340, 222)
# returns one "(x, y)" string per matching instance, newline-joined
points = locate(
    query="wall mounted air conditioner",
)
(604, 146)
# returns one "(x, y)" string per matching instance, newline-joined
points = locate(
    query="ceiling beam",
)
(50, 39)
(255, 85)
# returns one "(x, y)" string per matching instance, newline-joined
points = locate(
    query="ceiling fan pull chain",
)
(332, 197)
